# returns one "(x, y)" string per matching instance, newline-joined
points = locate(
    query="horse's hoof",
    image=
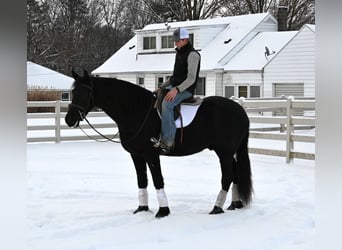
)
(235, 204)
(216, 210)
(163, 211)
(141, 209)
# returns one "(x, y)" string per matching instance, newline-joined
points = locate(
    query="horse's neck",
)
(124, 104)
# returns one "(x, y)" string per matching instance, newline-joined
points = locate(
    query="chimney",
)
(282, 17)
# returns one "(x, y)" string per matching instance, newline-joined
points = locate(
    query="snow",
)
(252, 56)
(38, 75)
(81, 195)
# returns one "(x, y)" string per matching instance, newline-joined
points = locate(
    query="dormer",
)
(152, 41)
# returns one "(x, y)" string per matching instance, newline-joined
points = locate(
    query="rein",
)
(83, 116)
(98, 132)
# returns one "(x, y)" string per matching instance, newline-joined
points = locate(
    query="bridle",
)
(81, 109)
(82, 112)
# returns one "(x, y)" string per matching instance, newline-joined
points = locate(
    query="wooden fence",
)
(271, 119)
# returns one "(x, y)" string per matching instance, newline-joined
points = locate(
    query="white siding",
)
(210, 84)
(267, 25)
(127, 77)
(150, 81)
(219, 84)
(294, 64)
(243, 78)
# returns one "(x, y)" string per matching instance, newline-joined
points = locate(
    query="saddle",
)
(195, 102)
(191, 101)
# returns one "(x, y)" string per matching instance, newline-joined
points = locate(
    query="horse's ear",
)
(74, 74)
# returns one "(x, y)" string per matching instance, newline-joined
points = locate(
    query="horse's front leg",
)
(158, 182)
(140, 167)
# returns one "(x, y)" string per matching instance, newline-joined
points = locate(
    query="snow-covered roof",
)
(41, 76)
(312, 27)
(127, 59)
(252, 56)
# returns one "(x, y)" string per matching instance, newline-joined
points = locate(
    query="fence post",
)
(58, 121)
(289, 129)
(282, 112)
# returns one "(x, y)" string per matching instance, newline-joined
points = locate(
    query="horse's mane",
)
(125, 87)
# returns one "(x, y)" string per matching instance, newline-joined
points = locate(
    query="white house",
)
(233, 54)
(243, 74)
(45, 78)
(292, 71)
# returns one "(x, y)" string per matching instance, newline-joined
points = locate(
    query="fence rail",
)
(277, 118)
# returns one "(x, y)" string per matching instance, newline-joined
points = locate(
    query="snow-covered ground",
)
(82, 194)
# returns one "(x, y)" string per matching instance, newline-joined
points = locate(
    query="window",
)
(167, 42)
(246, 91)
(65, 96)
(149, 42)
(160, 80)
(254, 91)
(200, 89)
(243, 91)
(229, 91)
(141, 81)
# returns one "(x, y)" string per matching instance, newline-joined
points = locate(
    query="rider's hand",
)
(170, 96)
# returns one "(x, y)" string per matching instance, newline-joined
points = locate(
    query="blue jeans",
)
(168, 126)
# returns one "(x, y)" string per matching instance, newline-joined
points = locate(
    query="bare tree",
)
(84, 33)
(185, 9)
(38, 41)
(299, 11)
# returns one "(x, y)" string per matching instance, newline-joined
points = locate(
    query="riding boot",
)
(163, 146)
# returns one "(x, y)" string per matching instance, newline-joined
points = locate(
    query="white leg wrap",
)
(235, 193)
(221, 198)
(162, 199)
(143, 197)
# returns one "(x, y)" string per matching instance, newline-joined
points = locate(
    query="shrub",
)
(37, 93)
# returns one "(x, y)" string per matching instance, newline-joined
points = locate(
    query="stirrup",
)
(158, 143)
(155, 141)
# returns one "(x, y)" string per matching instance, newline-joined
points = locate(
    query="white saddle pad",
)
(188, 114)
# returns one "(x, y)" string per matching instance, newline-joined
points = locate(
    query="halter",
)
(82, 111)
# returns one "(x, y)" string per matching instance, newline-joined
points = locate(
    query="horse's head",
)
(82, 99)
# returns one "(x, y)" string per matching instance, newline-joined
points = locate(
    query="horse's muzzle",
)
(73, 118)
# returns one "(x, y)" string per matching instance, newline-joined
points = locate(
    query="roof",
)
(38, 75)
(127, 60)
(252, 56)
(311, 26)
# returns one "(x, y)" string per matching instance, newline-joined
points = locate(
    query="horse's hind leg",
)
(226, 180)
(236, 202)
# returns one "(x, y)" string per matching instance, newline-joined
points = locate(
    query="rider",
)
(181, 84)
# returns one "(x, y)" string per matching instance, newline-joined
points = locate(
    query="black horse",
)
(220, 125)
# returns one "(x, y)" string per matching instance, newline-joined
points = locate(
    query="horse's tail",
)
(244, 173)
